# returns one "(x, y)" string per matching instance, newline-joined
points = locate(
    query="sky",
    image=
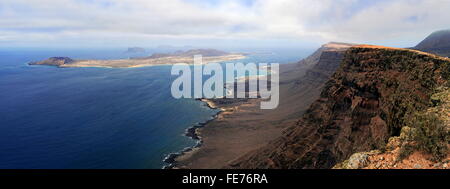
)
(218, 23)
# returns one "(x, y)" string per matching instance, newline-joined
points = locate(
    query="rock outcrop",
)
(54, 61)
(367, 101)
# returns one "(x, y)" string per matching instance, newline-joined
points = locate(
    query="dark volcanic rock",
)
(54, 61)
(365, 102)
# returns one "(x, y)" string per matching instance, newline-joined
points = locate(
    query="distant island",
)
(209, 56)
(135, 50)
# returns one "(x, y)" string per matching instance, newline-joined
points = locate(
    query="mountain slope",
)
(368, 100)
(438, 43)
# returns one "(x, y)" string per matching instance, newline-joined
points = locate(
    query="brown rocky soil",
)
(417, 160)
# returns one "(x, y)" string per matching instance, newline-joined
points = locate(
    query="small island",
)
(209, 56)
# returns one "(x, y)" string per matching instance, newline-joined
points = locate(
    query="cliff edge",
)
(374, 93)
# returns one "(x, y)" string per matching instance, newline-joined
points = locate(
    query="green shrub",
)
(405, 151)
(430, 135)
(407, 137)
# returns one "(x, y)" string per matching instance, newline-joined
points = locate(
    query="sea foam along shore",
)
(192, 133)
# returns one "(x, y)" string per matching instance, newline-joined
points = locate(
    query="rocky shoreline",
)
(191, 132)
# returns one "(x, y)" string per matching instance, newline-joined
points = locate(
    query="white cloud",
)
(147, 21)
(394, 20)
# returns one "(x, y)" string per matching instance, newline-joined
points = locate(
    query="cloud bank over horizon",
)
(251, 23)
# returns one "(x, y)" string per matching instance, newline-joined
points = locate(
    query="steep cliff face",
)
(367, 100)
(306, 79)
(321, 71)
(316, 57)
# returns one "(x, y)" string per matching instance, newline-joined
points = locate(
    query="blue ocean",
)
(95, 118)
